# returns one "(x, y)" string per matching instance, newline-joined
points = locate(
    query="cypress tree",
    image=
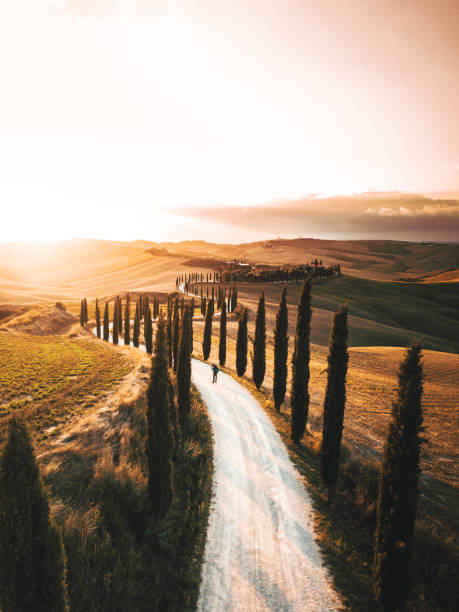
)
(207, 337)
(86, 317)
(259, 344)
(184, 365)
(398, 486)
(82, 313)
(148, 331)
(191, 326)
(115, 326)
(159, 435)
(241, 344)
(97, 318)
(280, 351)
(106, 323)
(120, 315)
(175, 337)
(141, 308)
(222, 343)
(335, 400)
(127, 322)
(32, 564)
(136, 330)
(146, 305)
(233, 299)
(300, 364)
(169, 336)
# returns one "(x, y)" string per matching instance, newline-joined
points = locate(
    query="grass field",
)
(381, 313)
(346, 529)
(50, 378)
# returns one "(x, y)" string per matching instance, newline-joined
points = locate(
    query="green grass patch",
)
(49, 378)
(384, 313)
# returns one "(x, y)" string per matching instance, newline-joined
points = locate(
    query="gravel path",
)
(260, 553)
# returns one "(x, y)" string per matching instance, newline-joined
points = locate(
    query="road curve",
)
(260, 552)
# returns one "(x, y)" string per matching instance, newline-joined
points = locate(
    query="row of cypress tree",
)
(161, 413)
(397, 495)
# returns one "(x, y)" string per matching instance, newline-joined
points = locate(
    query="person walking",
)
(215, 372)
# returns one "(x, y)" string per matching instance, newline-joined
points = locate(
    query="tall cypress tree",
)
(86, 316)
(120, 315)
(159, 435)
(241, 344)
(136, 329)
(141, 308)
(280, 351)
(207, 337)
(191, 329)
(106, 323)
(82, 313)
(115, 326)
(148, 331)
(97, 318)
(169, 335)
(184, 365)
(222, 343)
(259, 344)
(300, 364)
(335, 401)
(32, 563)
(398, 487)
(175, 337)
(127, 322)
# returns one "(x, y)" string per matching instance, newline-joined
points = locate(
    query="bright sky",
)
(113, 112)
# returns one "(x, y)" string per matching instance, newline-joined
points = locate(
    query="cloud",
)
(370, 215)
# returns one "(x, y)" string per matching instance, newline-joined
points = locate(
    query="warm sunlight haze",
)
(165, 105)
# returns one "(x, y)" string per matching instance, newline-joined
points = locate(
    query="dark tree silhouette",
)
(222, 343)
(259, 344)
(169, 335)
(120, 315)
(335, 401)
(398, 487)
(148, 331)
(136, 328)
(97, 318)
(300, 364)
(106, 323)
(116, 317)
(127, 321)
(175, 337)
(159, 436)
(207, 337)
(280, 351)
(184, 365)
(32, 563)
(241, 344)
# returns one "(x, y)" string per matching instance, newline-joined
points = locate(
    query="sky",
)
(167, 120)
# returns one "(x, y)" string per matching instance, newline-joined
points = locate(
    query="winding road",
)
(260, 552)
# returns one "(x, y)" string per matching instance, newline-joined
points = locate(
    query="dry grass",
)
(117, 558)
(346, 528)
(51, 379)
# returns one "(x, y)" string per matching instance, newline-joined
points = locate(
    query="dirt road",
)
(260, 553)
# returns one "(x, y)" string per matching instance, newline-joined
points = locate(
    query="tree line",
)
(398, 483)
(32, 555)
(400, 466)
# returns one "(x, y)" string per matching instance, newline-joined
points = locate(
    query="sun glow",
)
(105, 108)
